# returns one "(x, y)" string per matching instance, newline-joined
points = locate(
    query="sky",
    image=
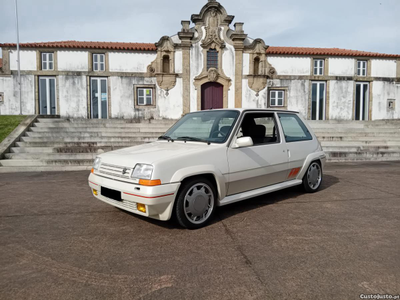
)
(368, 25)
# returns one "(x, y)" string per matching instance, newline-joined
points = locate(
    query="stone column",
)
(186, 36)
(238, 38)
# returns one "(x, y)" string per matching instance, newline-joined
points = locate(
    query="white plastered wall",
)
(73, 96)
(73, 60)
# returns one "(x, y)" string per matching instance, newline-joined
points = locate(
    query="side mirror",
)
(242, 142)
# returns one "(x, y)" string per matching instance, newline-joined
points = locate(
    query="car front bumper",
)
(159, 200)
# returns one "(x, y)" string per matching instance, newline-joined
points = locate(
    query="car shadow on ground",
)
(228, 211)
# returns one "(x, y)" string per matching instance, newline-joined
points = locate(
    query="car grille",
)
(124, 204)
(115, 171)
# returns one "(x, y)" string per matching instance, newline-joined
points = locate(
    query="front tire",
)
(195, 204)
(313, 178)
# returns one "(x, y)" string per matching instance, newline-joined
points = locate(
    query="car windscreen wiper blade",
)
(194, 139)
(165, 137)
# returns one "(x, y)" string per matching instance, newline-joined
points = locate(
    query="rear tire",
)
(313, 177)
(195, 203)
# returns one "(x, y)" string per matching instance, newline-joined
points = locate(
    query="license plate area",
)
(112, 194)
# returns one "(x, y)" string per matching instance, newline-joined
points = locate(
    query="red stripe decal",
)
(148, 197)
(93, 183)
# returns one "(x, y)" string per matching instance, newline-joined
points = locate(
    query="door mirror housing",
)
(242, 142)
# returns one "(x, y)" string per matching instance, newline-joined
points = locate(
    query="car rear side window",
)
(293, 128)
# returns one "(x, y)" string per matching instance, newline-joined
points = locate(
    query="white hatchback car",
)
(209, 159)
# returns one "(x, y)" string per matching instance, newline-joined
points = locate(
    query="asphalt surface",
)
(58, 242)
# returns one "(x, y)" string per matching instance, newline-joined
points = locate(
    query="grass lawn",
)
(8, 124)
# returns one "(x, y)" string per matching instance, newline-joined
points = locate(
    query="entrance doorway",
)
(99, 98)
(318, 95)
(47, 96)
(212, 96)
(362, 101)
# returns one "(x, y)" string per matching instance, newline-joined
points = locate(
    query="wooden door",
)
(212, 96)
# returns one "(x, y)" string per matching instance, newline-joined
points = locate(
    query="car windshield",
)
(204, 126)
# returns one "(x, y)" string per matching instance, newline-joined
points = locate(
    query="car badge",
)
(124, 171)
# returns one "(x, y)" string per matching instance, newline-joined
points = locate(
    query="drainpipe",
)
(19, 69)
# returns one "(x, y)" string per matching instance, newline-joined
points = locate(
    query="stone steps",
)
(108, 121)
(44, 168)
(51, 156)
(394, 130)
(54, 144)
(352, 143)
(21, 163)
(81, 149)
(88, 139)
(93, 134)
(357, 138)
(100, 125)
(159, 130)
(361, 148)
(335, 156)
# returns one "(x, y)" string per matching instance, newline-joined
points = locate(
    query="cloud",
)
(370, 25)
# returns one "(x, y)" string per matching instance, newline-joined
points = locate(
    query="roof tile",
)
(152, 47)
(87, 45)
(325, 52)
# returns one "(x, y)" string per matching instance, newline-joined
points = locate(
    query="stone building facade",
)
(208, 64)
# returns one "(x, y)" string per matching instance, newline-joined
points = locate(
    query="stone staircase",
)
(349, 141)
(54, 144)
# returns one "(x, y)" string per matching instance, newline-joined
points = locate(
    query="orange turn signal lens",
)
(92, 171)
(141, 207)
(95, 192)
(149, 182)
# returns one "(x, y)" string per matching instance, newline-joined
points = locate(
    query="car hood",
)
(151, 153)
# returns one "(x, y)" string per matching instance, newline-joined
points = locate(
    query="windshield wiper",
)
(165, 137)
(194, 139)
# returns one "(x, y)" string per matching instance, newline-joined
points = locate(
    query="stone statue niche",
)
(260, 69)
(163, 67)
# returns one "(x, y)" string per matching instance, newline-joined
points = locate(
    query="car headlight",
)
(142, 171)
(96, 163)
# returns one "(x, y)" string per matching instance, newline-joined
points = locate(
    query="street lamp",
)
(19, 69)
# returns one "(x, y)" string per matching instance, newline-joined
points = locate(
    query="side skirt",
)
(254, 193)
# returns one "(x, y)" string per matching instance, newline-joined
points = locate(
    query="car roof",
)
(254, 109)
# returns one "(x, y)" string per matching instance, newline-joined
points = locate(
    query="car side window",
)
(293, 128)
(261, 127)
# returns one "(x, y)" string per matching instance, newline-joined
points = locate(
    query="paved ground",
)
(58, 242)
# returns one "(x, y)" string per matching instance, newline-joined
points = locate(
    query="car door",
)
(299, 141)
(265, 163)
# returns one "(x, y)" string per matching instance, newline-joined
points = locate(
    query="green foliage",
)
(8, 124)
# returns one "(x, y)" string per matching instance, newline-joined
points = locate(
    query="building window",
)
(362, 68)
(145, 96)
(212, 59)
(319, 67)
(47, 61)
(99, 62)
(277, 98)
(257, 66)
(166, 68)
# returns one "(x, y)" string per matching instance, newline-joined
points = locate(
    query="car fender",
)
(318, 155)
(183, 173)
